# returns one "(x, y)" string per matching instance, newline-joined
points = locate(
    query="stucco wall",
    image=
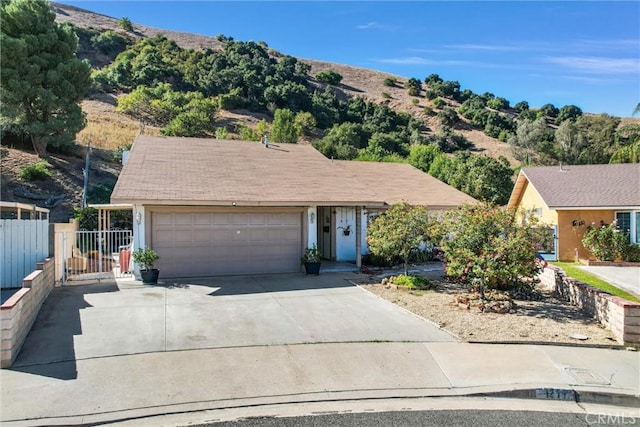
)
(19, 312)
(531, 200)
(570, 236)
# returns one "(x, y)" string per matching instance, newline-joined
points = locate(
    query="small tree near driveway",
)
(488, 246)
(398, 231)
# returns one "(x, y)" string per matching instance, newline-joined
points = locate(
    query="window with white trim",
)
(629, 223)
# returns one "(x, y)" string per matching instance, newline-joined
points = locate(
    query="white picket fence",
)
(24, 242)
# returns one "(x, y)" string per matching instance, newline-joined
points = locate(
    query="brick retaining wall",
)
(19, 312)
(620, 316)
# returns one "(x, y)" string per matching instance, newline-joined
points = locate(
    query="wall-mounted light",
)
(577, 223)
(312, 218)
(138, 217)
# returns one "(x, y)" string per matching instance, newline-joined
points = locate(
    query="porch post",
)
(358, 237)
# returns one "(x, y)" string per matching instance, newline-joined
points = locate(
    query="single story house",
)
(571, 198)
(218, 207)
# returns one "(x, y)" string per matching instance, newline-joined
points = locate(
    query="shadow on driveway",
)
(248, 285)
(51, 339)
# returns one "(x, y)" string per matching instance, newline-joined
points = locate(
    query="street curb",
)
(603, 398)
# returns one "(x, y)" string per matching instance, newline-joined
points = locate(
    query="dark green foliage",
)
(343, 141)
(410, 281)
(110, 43)
(385, 95)
(433, 79)
(421, 156)
(449, 141)
(125, 24)
(448, 117)
(87, 218)
(35, 172)
(446, 89)
(330, 77)
(605, 242)
(549, 110)
(521, 106)
(568, 112)
(283, 128)
(587, 140)
(100, 194)
(486, 247)
(413, 86)
(498, 103)
(181, 113)
(398, 231)
(495, 123)
(390, 82)
(42, 80)
(305, 123)
(326, 108)
(438, 103)
(232, 100)
(482, 177)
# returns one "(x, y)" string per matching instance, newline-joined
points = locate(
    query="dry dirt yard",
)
(548, 320)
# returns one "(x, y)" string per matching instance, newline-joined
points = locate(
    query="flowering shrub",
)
(398, 232)
(606, 242)
(485, 247)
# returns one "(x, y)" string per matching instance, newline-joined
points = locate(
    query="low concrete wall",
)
(620, 316)
(19, 312)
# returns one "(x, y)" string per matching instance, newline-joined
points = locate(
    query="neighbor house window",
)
(629, 224)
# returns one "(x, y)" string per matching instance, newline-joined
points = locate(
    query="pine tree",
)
(42, 80)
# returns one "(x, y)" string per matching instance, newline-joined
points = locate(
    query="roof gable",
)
(582, 186)
(173, 170)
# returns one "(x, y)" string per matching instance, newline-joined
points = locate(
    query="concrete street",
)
(125, 351)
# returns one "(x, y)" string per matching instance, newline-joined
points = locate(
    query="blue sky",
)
(580, 52)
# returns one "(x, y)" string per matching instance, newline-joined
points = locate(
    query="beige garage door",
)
(194, 244)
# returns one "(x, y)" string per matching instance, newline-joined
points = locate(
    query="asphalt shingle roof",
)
(610, 185)
(196, 171)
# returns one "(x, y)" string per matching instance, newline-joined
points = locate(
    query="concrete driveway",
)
(627, 278)
(124, 318)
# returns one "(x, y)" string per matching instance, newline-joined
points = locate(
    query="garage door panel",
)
(202, 219)
(209, 243)
(183, 219)
(183, 235)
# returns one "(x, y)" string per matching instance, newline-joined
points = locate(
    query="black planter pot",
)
(150, 277)
(312, 268)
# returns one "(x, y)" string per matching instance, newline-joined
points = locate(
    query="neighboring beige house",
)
(216, 207)
(571, 198)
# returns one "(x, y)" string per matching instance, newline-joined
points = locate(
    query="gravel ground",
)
(548, 320)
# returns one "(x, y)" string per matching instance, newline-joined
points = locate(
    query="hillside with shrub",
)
(167, 83)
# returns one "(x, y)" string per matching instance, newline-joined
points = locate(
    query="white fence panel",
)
(24, 242)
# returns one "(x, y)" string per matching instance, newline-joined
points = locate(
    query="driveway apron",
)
(110, 319)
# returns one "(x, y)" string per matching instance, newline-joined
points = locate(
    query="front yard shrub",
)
(485, 246)
(398, 232)
(631, 253)
(410, 281)
(605, 242)
(35, 172)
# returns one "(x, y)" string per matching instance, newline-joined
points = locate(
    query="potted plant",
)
(311, 260)
(146, 257)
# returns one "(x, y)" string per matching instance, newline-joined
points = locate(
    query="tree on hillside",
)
(330, 77)
(398, 231)
(283, 128)
(42, 80)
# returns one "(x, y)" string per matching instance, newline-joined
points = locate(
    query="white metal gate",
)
(95, 255)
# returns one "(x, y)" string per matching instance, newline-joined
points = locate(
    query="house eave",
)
(594, 208)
